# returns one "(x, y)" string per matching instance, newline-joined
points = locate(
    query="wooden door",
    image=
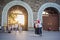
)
(51, 22)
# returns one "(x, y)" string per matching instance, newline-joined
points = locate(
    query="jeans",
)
(38, 30)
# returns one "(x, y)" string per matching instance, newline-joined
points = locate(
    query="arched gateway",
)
(45, 6)
(29, 17)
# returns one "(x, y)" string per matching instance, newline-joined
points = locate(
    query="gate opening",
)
(18, 16)
(50, 19)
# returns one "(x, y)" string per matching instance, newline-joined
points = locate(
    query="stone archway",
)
(44, 6)
(13, 3)
(17, 15)
(50, 19)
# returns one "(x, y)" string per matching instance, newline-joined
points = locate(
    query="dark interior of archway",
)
(51, 10)
(21, 8)
(51, 22)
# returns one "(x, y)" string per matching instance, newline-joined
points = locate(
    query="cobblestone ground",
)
(29, 35)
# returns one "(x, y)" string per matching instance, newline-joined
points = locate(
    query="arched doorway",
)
(44, 7)
(25, 6)
(17, 15)
(50, 19)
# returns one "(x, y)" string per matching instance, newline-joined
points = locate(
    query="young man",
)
(39, 27)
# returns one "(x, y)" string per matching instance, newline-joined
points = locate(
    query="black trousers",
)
(38, 30)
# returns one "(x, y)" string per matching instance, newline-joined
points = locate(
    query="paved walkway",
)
(29, 35)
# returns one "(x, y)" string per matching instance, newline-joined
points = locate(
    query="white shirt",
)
(38, 25)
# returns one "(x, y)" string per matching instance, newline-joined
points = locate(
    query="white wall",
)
(13, 3)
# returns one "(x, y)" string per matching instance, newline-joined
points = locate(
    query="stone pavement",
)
(29, 35)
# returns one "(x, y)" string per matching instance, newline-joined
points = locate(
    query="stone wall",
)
(34, 4)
